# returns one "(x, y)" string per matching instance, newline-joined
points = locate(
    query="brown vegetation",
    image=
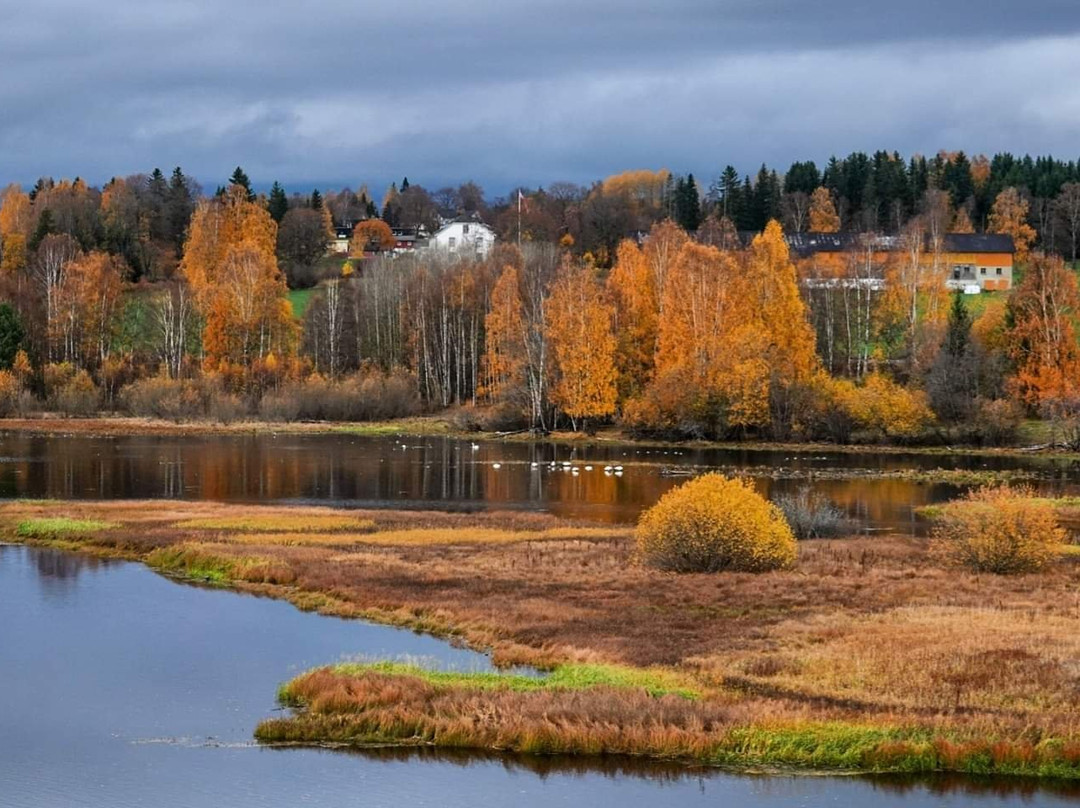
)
(869, 632)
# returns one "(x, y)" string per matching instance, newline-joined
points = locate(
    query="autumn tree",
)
(15, 225)
(1043, 335)
(504, 359)
(961, 222)
(1009, 217)
(823, 215)
(230, 263)
(579, 324)
(371, 235)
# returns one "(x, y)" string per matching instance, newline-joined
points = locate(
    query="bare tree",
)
(1067, 207)
(172, 310)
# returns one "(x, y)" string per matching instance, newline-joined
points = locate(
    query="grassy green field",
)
(300, 298)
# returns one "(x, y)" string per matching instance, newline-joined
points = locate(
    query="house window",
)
(999, 270)
(982, 270)
(453, 241)
(956, 273)
(465, 229)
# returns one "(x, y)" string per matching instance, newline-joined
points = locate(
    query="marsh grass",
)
(277, 523)
(867, 654)
(60, 528)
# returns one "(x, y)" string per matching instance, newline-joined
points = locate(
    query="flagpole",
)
(519, 218)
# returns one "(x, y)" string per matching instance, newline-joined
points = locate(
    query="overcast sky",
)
(334, 92)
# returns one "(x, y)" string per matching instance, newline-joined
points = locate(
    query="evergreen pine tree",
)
(278, 204)
(240, 178)
(11, 335)
(44, 227)
(180, 205)
(316, 200)
(952, 384)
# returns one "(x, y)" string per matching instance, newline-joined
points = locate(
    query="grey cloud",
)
(507, 92)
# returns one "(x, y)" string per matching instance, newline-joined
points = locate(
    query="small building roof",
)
(807, 244)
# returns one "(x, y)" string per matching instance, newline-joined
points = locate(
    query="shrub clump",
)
(1000, 530)
(812, 515)
(714, 524)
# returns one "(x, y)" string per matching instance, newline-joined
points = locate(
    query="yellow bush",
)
(712, 524)
(998, 529)
(883, 406)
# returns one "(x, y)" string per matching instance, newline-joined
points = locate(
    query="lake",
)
(121, 688)
(431, 472)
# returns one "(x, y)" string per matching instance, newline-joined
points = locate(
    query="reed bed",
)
(867, 654)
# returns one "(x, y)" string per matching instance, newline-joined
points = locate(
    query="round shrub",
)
(712, 524)
(999, 529)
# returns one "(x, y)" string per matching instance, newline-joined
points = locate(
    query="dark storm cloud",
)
(522, 91)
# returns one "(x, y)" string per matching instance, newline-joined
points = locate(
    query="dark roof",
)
(806, 244)
(979, 242)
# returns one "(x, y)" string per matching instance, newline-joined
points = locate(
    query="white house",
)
(464, 236)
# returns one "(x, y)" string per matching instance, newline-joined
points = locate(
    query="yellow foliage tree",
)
(1009, 217)
(579, 331)
(231, 266)
(504, 357)
(823, 215)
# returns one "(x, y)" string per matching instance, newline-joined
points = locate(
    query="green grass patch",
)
(300, 299)
(59, 527)
(564, 677)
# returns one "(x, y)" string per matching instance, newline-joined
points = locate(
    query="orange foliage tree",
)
(579, 319)
(15, 218)
(504, 357)
(1043, 336)
(371, 235)
(1009, 216)
(635, 285)
(230, 264)
(823, 215)
(733, 341)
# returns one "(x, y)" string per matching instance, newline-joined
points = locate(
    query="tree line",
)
(613, 309)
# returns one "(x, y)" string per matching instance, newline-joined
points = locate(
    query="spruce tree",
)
(316, 200)
(952, 383)
(45, 226)
(240, 178)
(278, 204)
(11, 335)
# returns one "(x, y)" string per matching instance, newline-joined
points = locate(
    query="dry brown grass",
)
(868, 629)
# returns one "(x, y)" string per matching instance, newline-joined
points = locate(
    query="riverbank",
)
(866, 657)
(442, 426)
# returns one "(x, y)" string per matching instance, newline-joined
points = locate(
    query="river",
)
(119, 688)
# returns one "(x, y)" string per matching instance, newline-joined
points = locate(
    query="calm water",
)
(119, 688)
(446, 473)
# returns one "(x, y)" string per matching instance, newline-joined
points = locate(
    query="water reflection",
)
(136, 691)
(451, 474)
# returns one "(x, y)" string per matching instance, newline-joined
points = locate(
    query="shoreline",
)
(616, 693)
(440, 426)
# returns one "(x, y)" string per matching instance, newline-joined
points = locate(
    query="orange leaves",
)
(579, 318)
(1009, 216)
(1043, 336)
(504, 360)
(732, 334)
(371, 235)
(823, 215)
(230, 264)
